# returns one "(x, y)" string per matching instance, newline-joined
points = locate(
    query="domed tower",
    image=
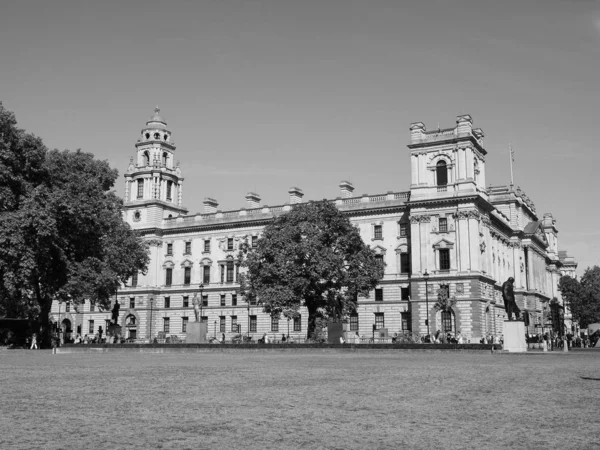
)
(153, 183)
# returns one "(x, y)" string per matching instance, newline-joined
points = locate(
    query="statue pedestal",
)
(195, 333)
(514, 336)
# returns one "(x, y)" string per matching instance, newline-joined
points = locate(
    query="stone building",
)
(449, 232)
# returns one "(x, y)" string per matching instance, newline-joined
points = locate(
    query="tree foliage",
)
(583, 297)
(61, 230)
(312, 257)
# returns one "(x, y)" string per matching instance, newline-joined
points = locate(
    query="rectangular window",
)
(187, 276)
(222, 299)
(229, 243)
(403, 229)
(68, 307)
(274, 323)
(446, 321)
(205, 300)
(222, 273)
(443, 225)
(406, 321)
(405, 293)
(298, 323)
(107, 324)
(140, 190)
(378, 230)
(169, 277)
(204, 319)
(379, 295)
(132, 303)
(186, 301)
(184, 322)
(379, 321)
(222, 324)
(167, 302)
(253, 301)
(188, 248)
(90, 327)
(252, 324)
(230, 272)
(206, 274)
(166, 326)
(134, 280)
(169, 190)
(379, 259)
(234, 324)
(92, 307)
(170, 249)
(254, 241)
(207, 245)
(444, 259)
(404, 263)
(354, 322)
(233, 299)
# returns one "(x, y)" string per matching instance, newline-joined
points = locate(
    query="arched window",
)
(166, 136)
(441, 172)
(146, 159)
(147, 135)
(157, 136)
(169, 190)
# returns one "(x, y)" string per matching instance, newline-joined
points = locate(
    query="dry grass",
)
(291, 400)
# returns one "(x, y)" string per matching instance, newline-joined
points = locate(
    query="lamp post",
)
(248, 319)
(288, 335)
(426, 276)
(215, 335)
(151, 299)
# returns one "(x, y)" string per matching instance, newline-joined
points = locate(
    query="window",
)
(298, 323)
(254, 241)
(253, 300)
(167, 302)
(204, 300)
(403, 229)
(147, 157)
(446, 321)
(222, 273)
(169, 190)
(378, 230)
(229, 243)
(230, 271)
(379, 321)
(441, 172)
(222, 299)
(164, 159)
(405, 293)
(134, 280)
(187, 275)
(68, 307)
(169, 277)
(184, 322)
(404, 263)
(206, 274)
(443, 225)
(252, 324)
(444, 259)
(188, 248)
(354, 322)
(379, 295)
(204, 319)
(274, 323)
(92, 307)
(379, 259)
(140, 192)
(186, 301)
(222, 324)
(166, 326)
(170, 249)
(406, 321)
(90, 327)
(233, 299)
(107, 322)
(207, 245)
(234, 325)
(156, 136)
(132, 303)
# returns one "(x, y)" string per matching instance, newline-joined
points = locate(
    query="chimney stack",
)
(210, 205)
(346, 188)
(296, 195)
(253, 200)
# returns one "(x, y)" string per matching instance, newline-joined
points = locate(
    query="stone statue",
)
(508, 295)
(196, 302)
(115, 312)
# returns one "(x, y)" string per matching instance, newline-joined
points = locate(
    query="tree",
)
(62, 236)
(311, 256)
(583, 297)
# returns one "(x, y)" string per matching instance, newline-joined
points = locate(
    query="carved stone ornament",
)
(154, 242)
(131, 167)
(482, 247)
(137, 215)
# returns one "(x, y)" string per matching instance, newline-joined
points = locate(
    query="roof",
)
(532, 227)
(157, 118)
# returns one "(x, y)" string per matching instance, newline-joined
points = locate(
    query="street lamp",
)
(248, 320)
(215, 328)
(426, 276)
(151, 299)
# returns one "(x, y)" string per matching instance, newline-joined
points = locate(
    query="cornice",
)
(451, 140)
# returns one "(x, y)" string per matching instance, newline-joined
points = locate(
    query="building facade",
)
(449, 232)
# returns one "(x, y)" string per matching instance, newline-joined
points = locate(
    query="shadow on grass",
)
(589, 378)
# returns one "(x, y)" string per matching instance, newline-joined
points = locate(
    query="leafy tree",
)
(61, 230)
(583, 297)
(313, 257)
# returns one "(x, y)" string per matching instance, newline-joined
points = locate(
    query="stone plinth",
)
(514, 336)
(195, 333)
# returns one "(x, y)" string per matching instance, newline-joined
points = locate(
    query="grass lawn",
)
(270, 400)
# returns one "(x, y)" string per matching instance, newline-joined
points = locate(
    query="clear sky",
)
(263, 95)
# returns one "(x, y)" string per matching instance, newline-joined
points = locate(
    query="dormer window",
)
(441, 171)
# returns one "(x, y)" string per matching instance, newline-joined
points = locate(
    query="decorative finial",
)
(177, 163)
(156, 110)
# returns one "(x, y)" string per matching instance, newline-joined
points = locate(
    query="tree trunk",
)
(312, 320)
(45, 332)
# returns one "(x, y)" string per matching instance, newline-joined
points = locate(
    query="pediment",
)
(187, 263)
(443, 243)
(379, 250)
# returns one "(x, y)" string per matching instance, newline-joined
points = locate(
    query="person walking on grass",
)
(34, 342)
